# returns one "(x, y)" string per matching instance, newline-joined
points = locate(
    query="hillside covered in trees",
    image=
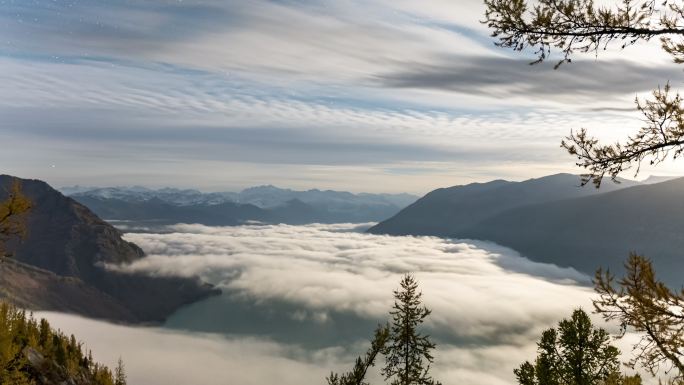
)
(33, 353)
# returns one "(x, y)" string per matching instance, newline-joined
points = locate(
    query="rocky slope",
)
(30, 287)
(68, 240)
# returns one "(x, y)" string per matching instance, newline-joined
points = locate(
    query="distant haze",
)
(268, 204)
(267, 196)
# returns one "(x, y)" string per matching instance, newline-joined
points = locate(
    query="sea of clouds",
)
(288, 287)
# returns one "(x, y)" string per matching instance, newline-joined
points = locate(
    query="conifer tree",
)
(13, 211)
(22, 335)
(408, 352)
(574, 354)
(45, 336)
(120, 373)
(644, 304)
(357, 376)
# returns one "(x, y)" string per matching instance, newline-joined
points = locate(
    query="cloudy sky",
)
(358, 95)
(299, 301)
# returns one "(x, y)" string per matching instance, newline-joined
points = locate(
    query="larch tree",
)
(576, 353)
(120, 373)
(646, 305)
(408, 353)
(581, 26)
(13, 211)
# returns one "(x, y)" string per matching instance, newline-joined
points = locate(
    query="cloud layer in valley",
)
(320, 269)
(489, 304)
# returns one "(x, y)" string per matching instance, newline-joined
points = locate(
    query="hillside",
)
(599, 230)
(550, 220)
(68, 240)
(30, 287)
(33, 353)
(448, 211)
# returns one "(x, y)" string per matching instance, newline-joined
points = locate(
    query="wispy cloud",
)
(582, 82)
(386, 84)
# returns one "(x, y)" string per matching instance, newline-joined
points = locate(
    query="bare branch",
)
(661, 137)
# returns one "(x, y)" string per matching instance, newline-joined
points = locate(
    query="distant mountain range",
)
(657, 179)
(551, 219)
(60, 265)
(264, 203)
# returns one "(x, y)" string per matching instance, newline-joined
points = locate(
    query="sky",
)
(373, 95)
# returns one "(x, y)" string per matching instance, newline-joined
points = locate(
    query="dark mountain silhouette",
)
(598, 231)
(448, 211)
(551, 220)
(68, 240)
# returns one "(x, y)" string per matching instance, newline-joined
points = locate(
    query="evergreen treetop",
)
(408, 354)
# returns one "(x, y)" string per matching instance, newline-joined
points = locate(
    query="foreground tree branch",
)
(357, 376)
(645, 305)
(662, 136)
(573, 26)
(579, 26)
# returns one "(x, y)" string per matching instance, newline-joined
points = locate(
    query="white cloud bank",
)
(484, 295)
(321, 268)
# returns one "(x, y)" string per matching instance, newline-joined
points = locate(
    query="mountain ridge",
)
(267, 204)
(604, 229)
(66, 239)
(446, 211)
(584, 230)
(264, 196)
